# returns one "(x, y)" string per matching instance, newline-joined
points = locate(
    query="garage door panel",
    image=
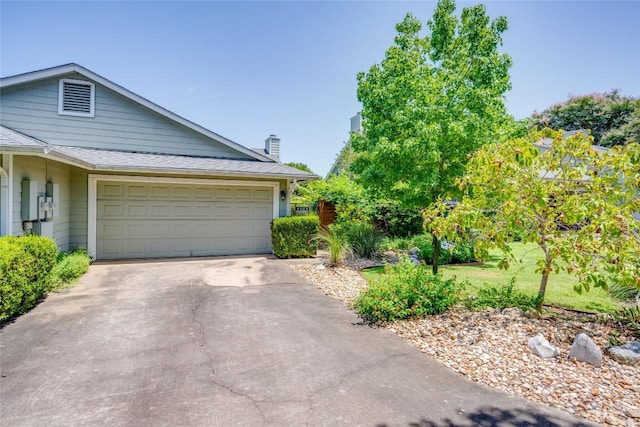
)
(137, 220)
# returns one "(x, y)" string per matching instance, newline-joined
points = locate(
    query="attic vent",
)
(76, 98)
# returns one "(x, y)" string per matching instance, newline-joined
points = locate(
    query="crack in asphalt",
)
(201, 342)
(344, 377)
(309, 400)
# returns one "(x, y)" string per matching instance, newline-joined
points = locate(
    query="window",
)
(76, 98)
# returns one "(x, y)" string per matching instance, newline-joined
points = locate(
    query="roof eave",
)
(71, 68)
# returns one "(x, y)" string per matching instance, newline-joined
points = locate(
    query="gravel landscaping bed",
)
(491, 348)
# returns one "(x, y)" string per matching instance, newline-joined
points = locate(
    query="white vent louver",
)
(76, 98)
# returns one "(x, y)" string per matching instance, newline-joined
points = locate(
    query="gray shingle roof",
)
(122, 161)
(11, 138)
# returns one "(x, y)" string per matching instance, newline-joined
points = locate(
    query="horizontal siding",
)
(119, 123)
(78, 210)
(43, 171)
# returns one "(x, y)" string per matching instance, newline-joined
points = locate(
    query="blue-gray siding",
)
(119, 123)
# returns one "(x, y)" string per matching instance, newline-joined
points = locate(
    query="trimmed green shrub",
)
(25, 264)
(501, 297)
(69, 266)
(362, 237)
(406, 291)
(462, 253)
(295, 236)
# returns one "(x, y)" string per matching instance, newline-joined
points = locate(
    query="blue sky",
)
(249, 69)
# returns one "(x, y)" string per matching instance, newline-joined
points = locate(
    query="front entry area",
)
(155, 219)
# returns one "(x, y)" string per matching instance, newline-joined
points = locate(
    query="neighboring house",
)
(345, 156)
(95, 166)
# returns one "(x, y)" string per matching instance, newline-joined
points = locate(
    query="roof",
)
(7, 82)
(124, 161)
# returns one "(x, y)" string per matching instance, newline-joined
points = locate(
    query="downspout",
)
(6, 183)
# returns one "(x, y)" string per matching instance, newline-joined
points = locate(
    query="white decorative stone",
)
(585, 350)
(541, 347)
(628, 354)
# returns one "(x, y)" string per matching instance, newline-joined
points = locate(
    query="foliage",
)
(612, 119)
(501, 296)
(69, 266)
(574, 202)
(429, 103)
(25, 263)
(397, 221)
(349, 198)
(295, 236)
(406, 291)
(628, 318)
(397, 243)
(335, 243)
(623, 292)
(363, 238)
(300, 166)
(424, 242)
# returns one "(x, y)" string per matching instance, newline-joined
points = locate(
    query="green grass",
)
(559, 288)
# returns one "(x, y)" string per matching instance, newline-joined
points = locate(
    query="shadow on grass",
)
(495, 417)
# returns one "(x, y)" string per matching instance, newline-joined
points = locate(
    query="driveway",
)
(226, 341)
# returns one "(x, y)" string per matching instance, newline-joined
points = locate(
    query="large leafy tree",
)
(575, 202)
(431, 101)
(612, 119)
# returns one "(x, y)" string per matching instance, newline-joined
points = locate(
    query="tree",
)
(430, 102)
(612, 119)
(575, 202)
(300, 166)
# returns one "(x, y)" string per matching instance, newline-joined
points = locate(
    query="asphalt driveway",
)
(226, 341)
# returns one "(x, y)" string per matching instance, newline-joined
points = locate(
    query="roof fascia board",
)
(71, 68)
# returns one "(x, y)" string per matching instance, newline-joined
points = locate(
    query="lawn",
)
(559, 288)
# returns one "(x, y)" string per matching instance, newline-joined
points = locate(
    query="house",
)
(93, 165)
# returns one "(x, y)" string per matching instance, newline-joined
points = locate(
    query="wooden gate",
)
(326, 213)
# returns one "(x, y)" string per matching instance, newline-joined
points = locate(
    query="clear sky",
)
(249, 69)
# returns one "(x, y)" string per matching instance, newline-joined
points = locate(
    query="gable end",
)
(76, 98)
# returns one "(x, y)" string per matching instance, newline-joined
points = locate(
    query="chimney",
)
(272, 147)
(356, 123)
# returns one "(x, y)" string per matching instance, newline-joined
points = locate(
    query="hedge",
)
(295, 236)
(25, 264)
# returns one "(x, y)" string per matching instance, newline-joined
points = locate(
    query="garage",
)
(164, 219)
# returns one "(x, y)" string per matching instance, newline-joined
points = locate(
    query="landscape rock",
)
(628, 354)
(541, 347)
(632, 413)
(414, 255)
(513, 312)
(585, 350)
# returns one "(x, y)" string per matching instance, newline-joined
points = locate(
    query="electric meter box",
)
(29, 200)
(53, 194)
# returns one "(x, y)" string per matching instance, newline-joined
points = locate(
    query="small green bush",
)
(501, 297)
(623, 292)
(405, 291)
(362, 237)
(397, 243)
(69, 266)
(25, 264)
(462, 253)
(295, 236)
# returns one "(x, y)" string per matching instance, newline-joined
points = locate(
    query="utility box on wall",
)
(53, 194)
(29, 200)
(44, 228)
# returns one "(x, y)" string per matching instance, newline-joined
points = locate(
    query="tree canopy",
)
(432, 100)
(299, 166)
(575, 202)
(612, 119)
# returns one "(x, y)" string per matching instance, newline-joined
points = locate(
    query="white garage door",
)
(146, 220)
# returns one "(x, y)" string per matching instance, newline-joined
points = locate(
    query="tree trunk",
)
(436, 254)
(543, 288)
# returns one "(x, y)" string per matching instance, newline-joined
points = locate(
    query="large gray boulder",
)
(628, 354)
(585, 350)
(541, 347)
